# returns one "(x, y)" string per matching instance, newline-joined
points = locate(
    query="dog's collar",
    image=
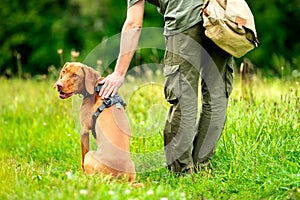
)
(86, 94)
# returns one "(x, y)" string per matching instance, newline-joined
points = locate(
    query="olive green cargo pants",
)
(190, 57)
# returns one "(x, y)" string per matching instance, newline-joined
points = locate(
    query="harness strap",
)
(106, 104)
(98, 88)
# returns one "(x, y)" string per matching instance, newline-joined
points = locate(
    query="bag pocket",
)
(172, 89)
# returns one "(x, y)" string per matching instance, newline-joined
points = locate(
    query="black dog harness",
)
(106, 104)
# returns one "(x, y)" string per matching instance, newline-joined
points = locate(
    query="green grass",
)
(257, 156)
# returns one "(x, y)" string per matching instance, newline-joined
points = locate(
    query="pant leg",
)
(219, 66)
(188, 55)
(181, 91)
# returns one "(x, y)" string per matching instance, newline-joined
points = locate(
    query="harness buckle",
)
(107, 102)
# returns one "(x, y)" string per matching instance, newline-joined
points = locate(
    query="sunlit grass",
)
(257, 156)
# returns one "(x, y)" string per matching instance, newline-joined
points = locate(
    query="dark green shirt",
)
(179, 15)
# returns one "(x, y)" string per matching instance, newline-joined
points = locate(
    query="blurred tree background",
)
(32, 32)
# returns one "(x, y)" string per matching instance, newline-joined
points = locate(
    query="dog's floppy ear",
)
(90, 78)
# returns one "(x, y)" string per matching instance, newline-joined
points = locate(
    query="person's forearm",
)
(130, 36)
(129, 42)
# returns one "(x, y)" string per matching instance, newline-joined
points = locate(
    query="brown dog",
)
(112, 127)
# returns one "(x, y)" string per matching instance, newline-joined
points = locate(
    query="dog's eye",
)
(75, 75)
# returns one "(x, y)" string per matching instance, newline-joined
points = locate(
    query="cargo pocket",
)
(229, 76)
(172, 88)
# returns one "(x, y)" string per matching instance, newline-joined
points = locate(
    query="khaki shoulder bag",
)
(230, 25)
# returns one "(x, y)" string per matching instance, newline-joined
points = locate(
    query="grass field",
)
(258, 156)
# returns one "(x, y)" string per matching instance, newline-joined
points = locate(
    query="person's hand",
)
(111, 85)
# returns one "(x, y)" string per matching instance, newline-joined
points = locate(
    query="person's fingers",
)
(108, 91)
(114, 91)
(102, 89)
(110, 86)
(102, 81)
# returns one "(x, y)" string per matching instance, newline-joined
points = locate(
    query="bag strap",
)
(222, 3)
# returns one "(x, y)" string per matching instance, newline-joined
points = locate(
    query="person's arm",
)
(129, 40)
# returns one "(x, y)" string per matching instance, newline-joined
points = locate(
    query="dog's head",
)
(76, 78)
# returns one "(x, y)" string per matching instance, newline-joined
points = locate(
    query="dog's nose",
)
(59, 85)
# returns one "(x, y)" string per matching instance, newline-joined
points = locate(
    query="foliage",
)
(278, 25)
(257, 156)
(35, 30)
